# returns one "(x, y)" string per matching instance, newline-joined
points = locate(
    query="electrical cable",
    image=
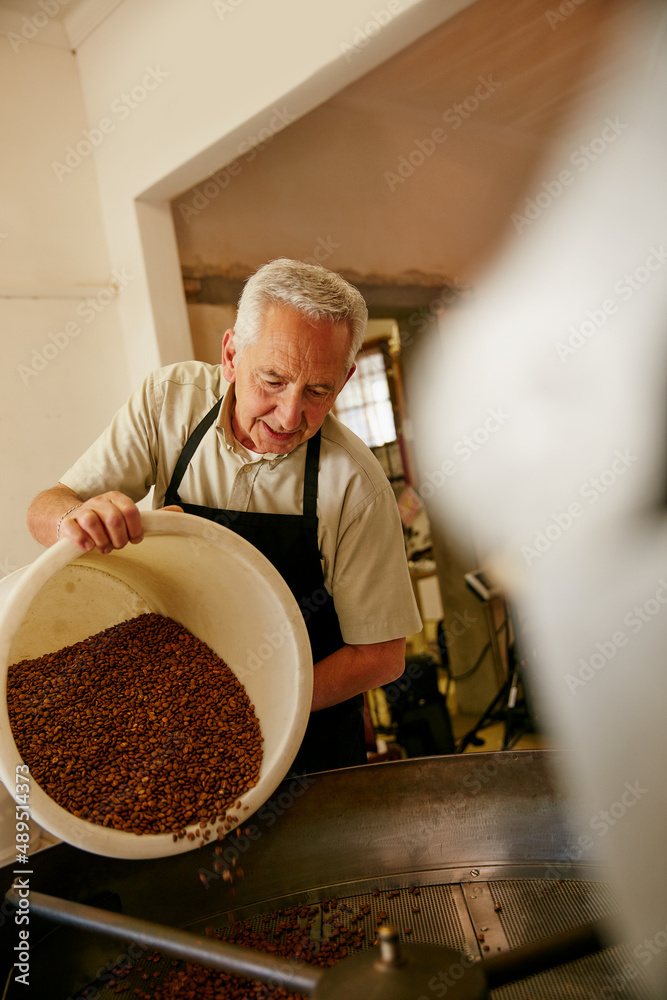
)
(478, 661)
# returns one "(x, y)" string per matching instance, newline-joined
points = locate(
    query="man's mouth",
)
(281, 435)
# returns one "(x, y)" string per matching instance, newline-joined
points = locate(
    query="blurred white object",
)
(555, 377)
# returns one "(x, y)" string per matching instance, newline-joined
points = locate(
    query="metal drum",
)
(483, 841)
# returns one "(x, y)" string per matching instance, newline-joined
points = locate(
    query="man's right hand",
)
(105, 522)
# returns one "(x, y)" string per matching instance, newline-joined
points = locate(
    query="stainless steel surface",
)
(530, 959)
(181, 944)
(347, 834)
(363, 977)
(481, 907)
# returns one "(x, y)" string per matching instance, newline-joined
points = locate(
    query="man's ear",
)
(229, 356)
(349, 374)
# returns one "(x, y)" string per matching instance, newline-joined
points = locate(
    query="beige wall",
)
(223, 76)
(156, 97)
(411, 172)
(62, 357)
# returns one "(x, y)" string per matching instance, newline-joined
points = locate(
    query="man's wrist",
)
(63, 518)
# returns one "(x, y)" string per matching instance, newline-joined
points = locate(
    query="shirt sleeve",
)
(124, 457)
(372, 589)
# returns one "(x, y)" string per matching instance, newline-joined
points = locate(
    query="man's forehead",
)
(286, 334)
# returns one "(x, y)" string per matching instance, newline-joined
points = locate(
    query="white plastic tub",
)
(202, 575)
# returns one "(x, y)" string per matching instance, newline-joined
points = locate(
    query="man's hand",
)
(105, 522)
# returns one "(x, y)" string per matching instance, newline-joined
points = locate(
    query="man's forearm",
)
(352, 670)
(46, 510)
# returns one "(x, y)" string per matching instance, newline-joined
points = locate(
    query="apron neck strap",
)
(310, 476)
(191, 446)
(193, 442)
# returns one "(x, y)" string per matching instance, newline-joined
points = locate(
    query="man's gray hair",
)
(313, 291)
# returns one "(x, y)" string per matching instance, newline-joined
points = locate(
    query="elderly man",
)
(267, 459)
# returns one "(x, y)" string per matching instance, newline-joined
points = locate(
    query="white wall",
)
(158, 97)
(58, 386)
(219, 72)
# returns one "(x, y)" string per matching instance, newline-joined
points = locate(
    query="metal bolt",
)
(390, 955)
(474, 872)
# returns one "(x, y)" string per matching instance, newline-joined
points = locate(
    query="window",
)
(364, 404)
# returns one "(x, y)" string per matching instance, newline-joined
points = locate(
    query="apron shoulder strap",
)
(310, 477)
(191, 446)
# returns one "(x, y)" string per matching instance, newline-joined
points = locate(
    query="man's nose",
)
(290, 408)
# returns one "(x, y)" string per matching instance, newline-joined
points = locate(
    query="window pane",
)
(364, 404)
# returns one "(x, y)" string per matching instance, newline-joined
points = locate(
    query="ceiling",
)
(333, 177)
(68, 25)
(28, 7)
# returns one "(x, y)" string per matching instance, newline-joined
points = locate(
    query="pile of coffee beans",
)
(141, 727)
(289, 936)
(321, 934)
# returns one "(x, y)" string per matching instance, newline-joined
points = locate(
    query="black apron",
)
(335, 736)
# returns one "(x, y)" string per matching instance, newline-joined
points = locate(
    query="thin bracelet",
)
(63, 518)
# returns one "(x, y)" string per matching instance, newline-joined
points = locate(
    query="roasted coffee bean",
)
(294, 941)
(141, 727)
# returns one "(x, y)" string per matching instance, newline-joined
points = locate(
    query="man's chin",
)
(278, 444)
(269, 446)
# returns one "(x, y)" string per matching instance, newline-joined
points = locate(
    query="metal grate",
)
(533, 909)
(596, 977)
(529, 910)
(437, 922)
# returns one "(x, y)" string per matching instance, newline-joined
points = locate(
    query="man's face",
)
(287, 380)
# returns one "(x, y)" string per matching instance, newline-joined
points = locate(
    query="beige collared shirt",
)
(359, 530)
